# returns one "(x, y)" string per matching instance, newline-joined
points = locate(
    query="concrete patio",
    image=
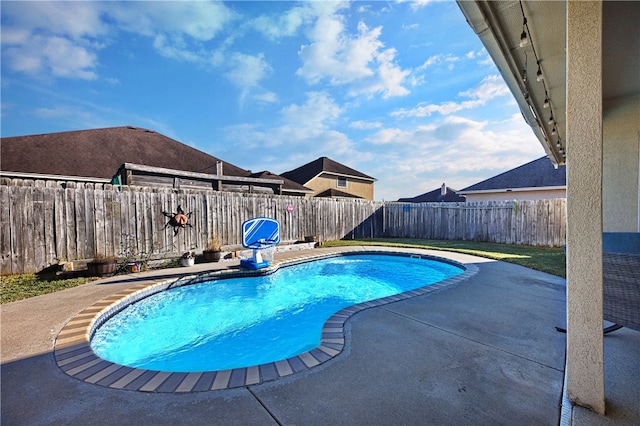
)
(482, 352)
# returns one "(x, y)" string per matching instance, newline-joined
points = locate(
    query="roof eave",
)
(172, 172)
(524, 189)
(488, 27)
(298, 191)
(370, 179)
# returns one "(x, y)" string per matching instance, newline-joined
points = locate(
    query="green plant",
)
(23, 286)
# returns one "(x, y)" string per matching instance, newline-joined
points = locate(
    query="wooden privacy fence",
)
(42, 223)
(536, 223)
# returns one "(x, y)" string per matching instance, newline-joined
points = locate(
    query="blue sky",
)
(401, 91)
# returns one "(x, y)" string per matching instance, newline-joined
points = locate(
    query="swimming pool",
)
(241, 322)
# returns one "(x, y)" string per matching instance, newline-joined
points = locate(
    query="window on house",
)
(342, 182)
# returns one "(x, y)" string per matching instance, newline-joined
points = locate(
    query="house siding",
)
(358, 187)
(517, 195)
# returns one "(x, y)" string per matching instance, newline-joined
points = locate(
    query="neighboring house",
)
(128, 156)
(289, 187)
(328, 178)
(444, 194)
(537, 180)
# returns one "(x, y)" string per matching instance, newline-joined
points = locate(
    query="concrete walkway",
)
(482, 352)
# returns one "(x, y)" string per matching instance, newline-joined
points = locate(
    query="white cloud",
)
(365, 124)
(448, 60)
(76, 20)
(445, 108)
(176, 48)
(416, 4)
(391, 76)
(199, 20)
(246, 71)
(456, 150)
(305, 129)
(358, 61)
(437, 67)
(14, 36)
(481, 56)
(45, 39)
(67, 59)
(284, 25)
(301, 127)
(490, 87)
(266, 97)
(54, 55)
(62, 39)
(42, 38)
(390, 135)
(178, 29)
(310, 118)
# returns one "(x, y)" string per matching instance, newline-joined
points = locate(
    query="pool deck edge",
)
(74, 356)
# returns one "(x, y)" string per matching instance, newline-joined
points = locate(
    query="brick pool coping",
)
(74, 356)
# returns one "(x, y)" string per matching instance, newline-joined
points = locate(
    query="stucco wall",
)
(517, 195)
(621, 156)
(585, 342)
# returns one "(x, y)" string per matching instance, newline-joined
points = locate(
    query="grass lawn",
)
(22, 286)
(550, 260)
(545, 259)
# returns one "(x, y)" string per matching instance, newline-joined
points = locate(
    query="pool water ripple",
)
(241, 322)
(75, 356)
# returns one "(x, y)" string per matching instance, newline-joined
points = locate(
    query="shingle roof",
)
(288, 183)
(100, 152)
(333, 193)
(538, 173)
(436, 196)
(305, 173)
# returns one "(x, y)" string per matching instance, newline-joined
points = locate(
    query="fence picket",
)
(42, 224)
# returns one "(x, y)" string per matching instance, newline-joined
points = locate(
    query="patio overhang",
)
(500, 24)
(585, 111)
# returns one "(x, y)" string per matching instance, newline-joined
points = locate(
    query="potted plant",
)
(213, 251)
(102, 266)
(130, 259)
(188, 258)
(134, 266)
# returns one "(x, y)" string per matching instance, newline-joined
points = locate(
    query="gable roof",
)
(289, 185)
(538, 173)
(100, 152)
(305, 173)
(435, 196)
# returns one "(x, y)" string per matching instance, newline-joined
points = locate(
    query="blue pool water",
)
(241, 322)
